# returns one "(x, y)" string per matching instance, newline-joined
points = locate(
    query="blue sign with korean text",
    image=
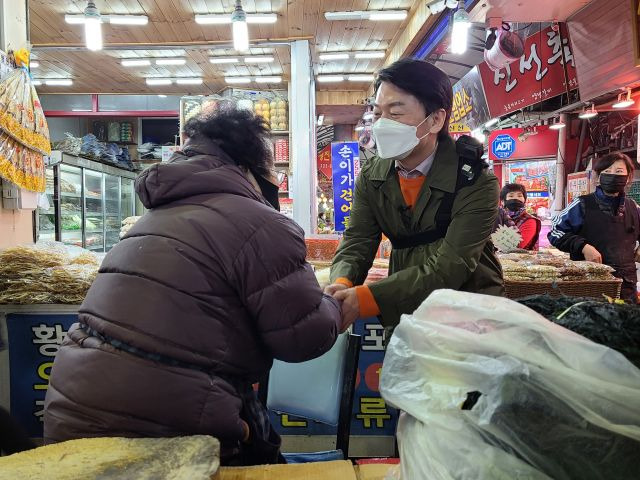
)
(34, 340)
(371, 415)
(503, 146)
(345, 162)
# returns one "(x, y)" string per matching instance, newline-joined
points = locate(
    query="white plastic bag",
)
(552, 402)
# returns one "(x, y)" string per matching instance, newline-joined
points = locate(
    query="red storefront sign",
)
(542, 144)
(324, 162)
(537, 76)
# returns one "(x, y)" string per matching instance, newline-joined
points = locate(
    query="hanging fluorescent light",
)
(34, 64)
(589, 113)
(460, 31)
(258, 59)
(624, 101)
(370, 54)
(239, 28)
(112, 19)
(171, 61)
(128, 19)
(36, 83)
(232, 80)
(162, 96)
(491, 122)
(329, 78)
(159, 81)
(221, 60)
(61, 82)
(334, 56)
(274, 79)
(374, 15)
(225, 19)
(92, 27)
(557, 125)
(135, 62)
(360, 78)
(189, 81)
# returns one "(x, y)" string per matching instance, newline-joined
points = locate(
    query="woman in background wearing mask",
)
(400, 191)
(604, 226)
(514, 213)
(192, 306)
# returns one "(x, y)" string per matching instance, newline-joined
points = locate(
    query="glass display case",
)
(47, 218)
(92, 200)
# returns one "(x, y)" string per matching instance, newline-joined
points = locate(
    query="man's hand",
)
(334, 288)
(350, 307)
(591, 254)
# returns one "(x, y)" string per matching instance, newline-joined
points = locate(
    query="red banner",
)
(324, 162)
(518, 144)
(537, 76)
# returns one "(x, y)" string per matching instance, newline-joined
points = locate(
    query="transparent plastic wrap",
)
(498, 391)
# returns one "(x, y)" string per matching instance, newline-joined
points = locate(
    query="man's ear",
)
(439, 117)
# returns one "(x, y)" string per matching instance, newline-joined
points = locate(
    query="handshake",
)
(348, 299)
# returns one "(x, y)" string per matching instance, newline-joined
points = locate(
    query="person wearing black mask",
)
(604, 226)
(514, 213)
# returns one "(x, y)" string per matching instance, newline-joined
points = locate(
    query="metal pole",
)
(558, 200)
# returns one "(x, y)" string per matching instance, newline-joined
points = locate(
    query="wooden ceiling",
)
(172, 31)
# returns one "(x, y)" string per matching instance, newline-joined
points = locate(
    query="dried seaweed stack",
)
(45, 273)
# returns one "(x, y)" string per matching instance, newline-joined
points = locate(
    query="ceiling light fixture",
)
(557, 125)
(589, 113)
(36, 82)
(491, 122)
(374, 15)
(159, 81)
(460, 30)
(361, 78)
(359, 128)
(92, 27)
(624, 101)
(225, 19)
(221, 60)
(330, 78)
(127, 19)
(369, 54)
(274, 79)
(258, 59)
(334, 56)
(135, 62)
(162, 96)
(239, 28)
(34, 64)
(232, 80)
(62, 82)
(171, 61)
(189, 81)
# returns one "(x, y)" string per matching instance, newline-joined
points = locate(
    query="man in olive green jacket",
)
(399, 195)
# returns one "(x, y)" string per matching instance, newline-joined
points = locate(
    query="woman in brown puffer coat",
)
(193, 305)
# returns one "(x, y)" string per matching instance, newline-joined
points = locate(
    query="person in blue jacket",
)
(604, 226)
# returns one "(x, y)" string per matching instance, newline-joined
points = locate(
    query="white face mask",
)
(396, 140)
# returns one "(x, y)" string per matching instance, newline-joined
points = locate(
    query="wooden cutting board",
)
(339, 470)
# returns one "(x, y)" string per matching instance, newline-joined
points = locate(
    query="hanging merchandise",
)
(24, 138)
(113, 132)
(126, 132)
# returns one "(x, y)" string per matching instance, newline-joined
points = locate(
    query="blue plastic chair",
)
(321, 389)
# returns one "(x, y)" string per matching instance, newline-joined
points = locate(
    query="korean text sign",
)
(34, 340)
(537, 76)
(345, 162)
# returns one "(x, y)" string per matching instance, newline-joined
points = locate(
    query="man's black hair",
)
(241, 134)
(510, 188)
(430, 85)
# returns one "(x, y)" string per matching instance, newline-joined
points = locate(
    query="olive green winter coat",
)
(463, 260)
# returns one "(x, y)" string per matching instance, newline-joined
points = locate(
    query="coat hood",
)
(202, 167)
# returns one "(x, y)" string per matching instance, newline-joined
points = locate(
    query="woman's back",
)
(189, 309)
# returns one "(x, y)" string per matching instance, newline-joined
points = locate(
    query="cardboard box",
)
(340, 470)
